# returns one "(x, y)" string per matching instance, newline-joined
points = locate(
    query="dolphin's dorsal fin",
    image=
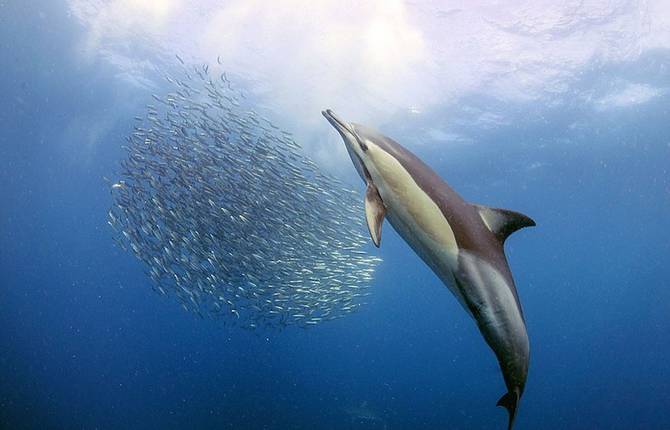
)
(374, 213)
(503, 222)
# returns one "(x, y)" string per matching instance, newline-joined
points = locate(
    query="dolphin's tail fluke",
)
(510, 401)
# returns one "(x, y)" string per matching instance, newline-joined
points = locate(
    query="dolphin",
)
(364, 414)
(462, 243)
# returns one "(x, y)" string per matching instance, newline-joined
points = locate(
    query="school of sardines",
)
(231, 217)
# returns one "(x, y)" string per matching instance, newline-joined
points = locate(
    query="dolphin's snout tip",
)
(333, 119)
(340, 125)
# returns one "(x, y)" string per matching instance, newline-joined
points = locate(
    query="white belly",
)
(416, 217)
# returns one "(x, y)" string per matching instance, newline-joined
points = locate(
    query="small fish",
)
(231, 217)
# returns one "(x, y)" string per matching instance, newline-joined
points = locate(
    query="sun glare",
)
(158, 10)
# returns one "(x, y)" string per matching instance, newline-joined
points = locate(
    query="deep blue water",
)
(86, 343)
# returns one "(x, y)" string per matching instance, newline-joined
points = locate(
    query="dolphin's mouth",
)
(337, 122)
(341, 126)
(347, 131)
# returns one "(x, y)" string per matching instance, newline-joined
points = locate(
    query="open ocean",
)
(558, 110)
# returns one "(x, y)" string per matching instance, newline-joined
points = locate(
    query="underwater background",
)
(559, 111)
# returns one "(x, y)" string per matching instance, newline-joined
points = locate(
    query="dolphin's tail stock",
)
(510, 401)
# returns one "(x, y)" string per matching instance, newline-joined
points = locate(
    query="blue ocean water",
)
(86, 343)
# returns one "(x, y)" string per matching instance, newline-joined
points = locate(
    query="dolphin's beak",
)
(337, 122)
(350, 139)
(342, 126)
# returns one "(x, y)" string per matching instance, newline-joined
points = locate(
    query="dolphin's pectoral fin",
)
(374, 213)
(503, 222)
(510, 401)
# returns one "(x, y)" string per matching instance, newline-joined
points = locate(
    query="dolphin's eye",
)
(361, 143)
